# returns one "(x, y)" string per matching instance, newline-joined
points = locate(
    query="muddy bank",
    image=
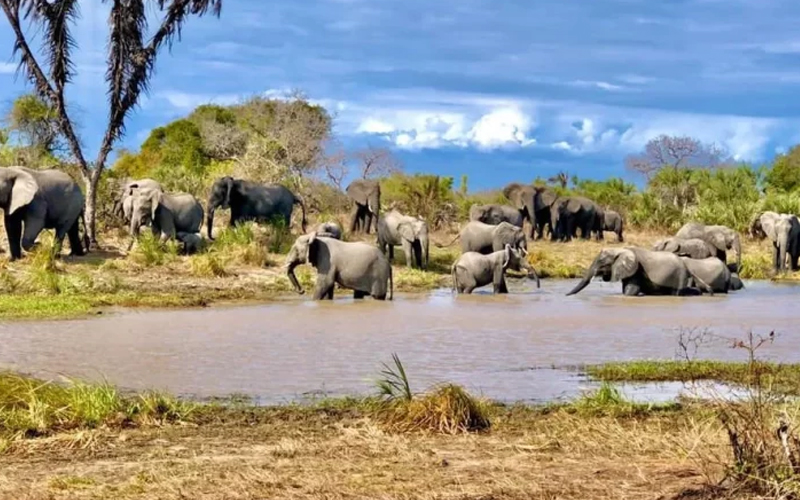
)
(504, 347)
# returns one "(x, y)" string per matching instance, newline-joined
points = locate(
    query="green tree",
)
(784, 176)
(130, 63)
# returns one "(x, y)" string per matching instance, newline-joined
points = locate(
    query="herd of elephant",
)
(692, 262)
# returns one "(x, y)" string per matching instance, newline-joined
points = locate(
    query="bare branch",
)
(377, 162)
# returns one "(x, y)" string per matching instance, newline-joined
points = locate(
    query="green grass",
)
(41, 307)
(148, 251)
(783, 378)
(33, 407)
(608, 400)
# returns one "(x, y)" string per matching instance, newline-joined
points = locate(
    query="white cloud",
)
(562, 145)
(609, 87)
(7, 68)
(634, 79)
(427, 129)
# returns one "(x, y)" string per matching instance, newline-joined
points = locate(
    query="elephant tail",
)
(439, 245)
(299, 201)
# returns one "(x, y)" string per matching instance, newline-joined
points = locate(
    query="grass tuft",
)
(149, 251)
(448, 409)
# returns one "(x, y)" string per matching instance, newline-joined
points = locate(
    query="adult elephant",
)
(543, 201)
(571, 213)
(41, 199)
(644, 272)
(713, 272)
(694, 248)
(168, 214)
(330, 229)
(784, 232)
(612, 221)
(487, 238)
(409, 232)
(523, 198)
(495, 214)
(720, 237)
(123, 205)
(366, 194)
(355, 265)
(250, 201)
(473, 270)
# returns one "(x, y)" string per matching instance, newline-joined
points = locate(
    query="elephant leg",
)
(34, 224)
(775, 257)
(391, 253)
(75, 244)
(501, 287)
(631, 289)
(354, 219)
(358, 294)
(324, 288)
(14, 234)
(409, 251)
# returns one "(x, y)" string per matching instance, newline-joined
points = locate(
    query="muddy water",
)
(502, 346)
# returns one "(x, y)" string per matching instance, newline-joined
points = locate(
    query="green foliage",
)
(393, 383)
(32, 136)
(783, 203)
(428, 196)
(149, 251)
(614, 193)
(727, 196)
(784, 176)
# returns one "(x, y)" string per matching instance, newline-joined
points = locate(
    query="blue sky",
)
(498, 89)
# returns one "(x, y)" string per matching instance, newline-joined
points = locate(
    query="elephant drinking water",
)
(473, 270)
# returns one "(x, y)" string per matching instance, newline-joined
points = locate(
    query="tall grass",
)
(149, 251)
(240, 244)
(33, 407)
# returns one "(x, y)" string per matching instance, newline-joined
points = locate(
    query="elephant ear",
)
(506, 255)
(513, 193)
(624, 266)
(505, 231)
(311, 248)
(768, 226)
(228, 188)
(406, 230)
(155, 201)
(24, 190)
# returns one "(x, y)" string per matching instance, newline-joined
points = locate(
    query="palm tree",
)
(561, 178)
(129, 64)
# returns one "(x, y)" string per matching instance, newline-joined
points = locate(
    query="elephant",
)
(123, 205)
(523, 198)
(694, 248)
(612, 221)
(543, 201)
(495, 214)
(784, 231)
(395, 228)
(250, 201)
(366, 193)
(713, 272)
(473, 270)
(330, 229)
(721, 237)
(568, 214)
(644, 272)
(486, 238)
(599, 222)
(358, 266)
(34, 200)
(756, 229)
(191, 243)
(736, 282)
(168, 213)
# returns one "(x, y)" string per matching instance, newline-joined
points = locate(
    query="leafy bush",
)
(428, 196)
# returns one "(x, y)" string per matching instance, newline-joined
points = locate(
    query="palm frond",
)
(394, 382)
(56, 18)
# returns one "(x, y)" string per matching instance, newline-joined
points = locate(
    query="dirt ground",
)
(329, 455)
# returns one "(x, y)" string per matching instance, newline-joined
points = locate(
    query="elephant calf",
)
(612, 221)
(395, 228)
(495, 214)
(330, 229)
(714, 273)
(486, 238)
(473, 270)
(694, 248)
(358, 266)
(191, 243)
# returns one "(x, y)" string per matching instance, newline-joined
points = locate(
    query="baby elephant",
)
(191, 243)
(330, 229)
(473, 270)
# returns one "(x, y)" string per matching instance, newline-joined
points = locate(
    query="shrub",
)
(448, 409)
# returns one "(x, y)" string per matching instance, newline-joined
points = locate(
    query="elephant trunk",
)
(782, 244)
(293, 279)
(587, 278)
(737, 246)
(135, 225)
(302, 204)
(531, 271)
(210, 220)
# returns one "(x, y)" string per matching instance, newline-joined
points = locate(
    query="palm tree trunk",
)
(90, 211)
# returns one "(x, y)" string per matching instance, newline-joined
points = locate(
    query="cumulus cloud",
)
(425, 129)
(186, 101)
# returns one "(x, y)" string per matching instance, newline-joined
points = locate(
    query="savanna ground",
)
(244, 264)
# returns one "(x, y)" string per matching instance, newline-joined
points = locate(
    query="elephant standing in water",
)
(355, 265)
(784, 232)
(169, 214)
(250, 201)
(38, 200)
(395, 228)
(722, 238)
(366, 194)
(714, 273)
(643, 272)
(473, 270)
(495, 214)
